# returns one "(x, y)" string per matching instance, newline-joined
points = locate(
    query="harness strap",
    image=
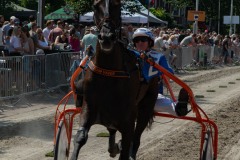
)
(106, 72)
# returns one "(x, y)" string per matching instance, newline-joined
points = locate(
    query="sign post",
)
(196, 16)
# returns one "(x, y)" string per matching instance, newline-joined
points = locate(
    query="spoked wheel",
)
(208, 153)
(61, 150)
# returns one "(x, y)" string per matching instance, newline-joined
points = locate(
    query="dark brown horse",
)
(113, 94)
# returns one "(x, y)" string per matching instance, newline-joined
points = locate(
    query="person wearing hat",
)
(89, 39)
(143, 41)
(16, 22)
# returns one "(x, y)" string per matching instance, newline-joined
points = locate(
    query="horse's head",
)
(107, 17)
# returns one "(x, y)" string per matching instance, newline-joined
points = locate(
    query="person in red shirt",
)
(74, 41)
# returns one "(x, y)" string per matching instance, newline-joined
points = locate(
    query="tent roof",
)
(126, 18)
(60, 14)
(19, 8)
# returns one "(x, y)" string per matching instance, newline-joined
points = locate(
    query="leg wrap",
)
(81, 136)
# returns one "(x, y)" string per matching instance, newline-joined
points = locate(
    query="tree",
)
(5, 7)
(83, 6)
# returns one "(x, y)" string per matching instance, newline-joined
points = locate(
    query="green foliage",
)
(50, 5)
(181, 3)
(5, 8)
(33, 4)
(163, 15)
(80, 6)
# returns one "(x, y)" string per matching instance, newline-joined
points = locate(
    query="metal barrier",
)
(184, 56)
(34, 73)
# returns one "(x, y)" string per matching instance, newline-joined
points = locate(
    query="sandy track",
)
(26, 132)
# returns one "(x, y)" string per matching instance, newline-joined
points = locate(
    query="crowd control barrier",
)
(38, 73)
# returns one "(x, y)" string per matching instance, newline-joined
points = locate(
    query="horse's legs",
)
(127, 136)
(79, 140)
(145, 114)
(81, 137)
(113, 148)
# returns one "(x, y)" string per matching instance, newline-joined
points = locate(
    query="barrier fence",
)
(34, 73)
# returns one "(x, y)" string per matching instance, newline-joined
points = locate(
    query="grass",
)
(199, 96)
(222, 86)
(49, 154)
(103, 134)
(211, 90)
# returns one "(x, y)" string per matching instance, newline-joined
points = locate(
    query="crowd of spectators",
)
(26, 37)
(228, 47)
(20, 38)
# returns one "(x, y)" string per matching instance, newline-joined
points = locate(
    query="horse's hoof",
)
(114, 151)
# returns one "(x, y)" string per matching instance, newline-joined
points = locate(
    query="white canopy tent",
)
(126, 18)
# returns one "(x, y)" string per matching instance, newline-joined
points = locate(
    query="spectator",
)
(66, 26)
(74, 41)
(47, 29)
(32, 20)
(176, 34)
(16, 48)
(189, 40)
(27, 41)
(56, 32)
(62, 39)
(89, 39)
(225, 57)
(130, 33)
(42, 43)
(5, 28)
(182, 35)
(2, 19)
(1, 34)
(16, 22)
(27, 44)
(172, 46)
(81, 30)
(34, 35)
(159, 43)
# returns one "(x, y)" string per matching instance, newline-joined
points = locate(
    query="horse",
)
(112, 93)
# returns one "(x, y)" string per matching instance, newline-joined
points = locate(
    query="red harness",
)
(106, 72)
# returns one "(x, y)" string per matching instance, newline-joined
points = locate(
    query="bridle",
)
(108, 20)
(114, 27)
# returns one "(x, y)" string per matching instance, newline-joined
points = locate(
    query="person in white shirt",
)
(15, 47)
(159, 43)
(46, 31)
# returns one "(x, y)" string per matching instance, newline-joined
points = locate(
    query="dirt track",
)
(26, 132)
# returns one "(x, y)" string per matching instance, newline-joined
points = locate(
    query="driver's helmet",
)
(144, 32)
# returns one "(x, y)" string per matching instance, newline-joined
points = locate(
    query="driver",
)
(143, 40)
